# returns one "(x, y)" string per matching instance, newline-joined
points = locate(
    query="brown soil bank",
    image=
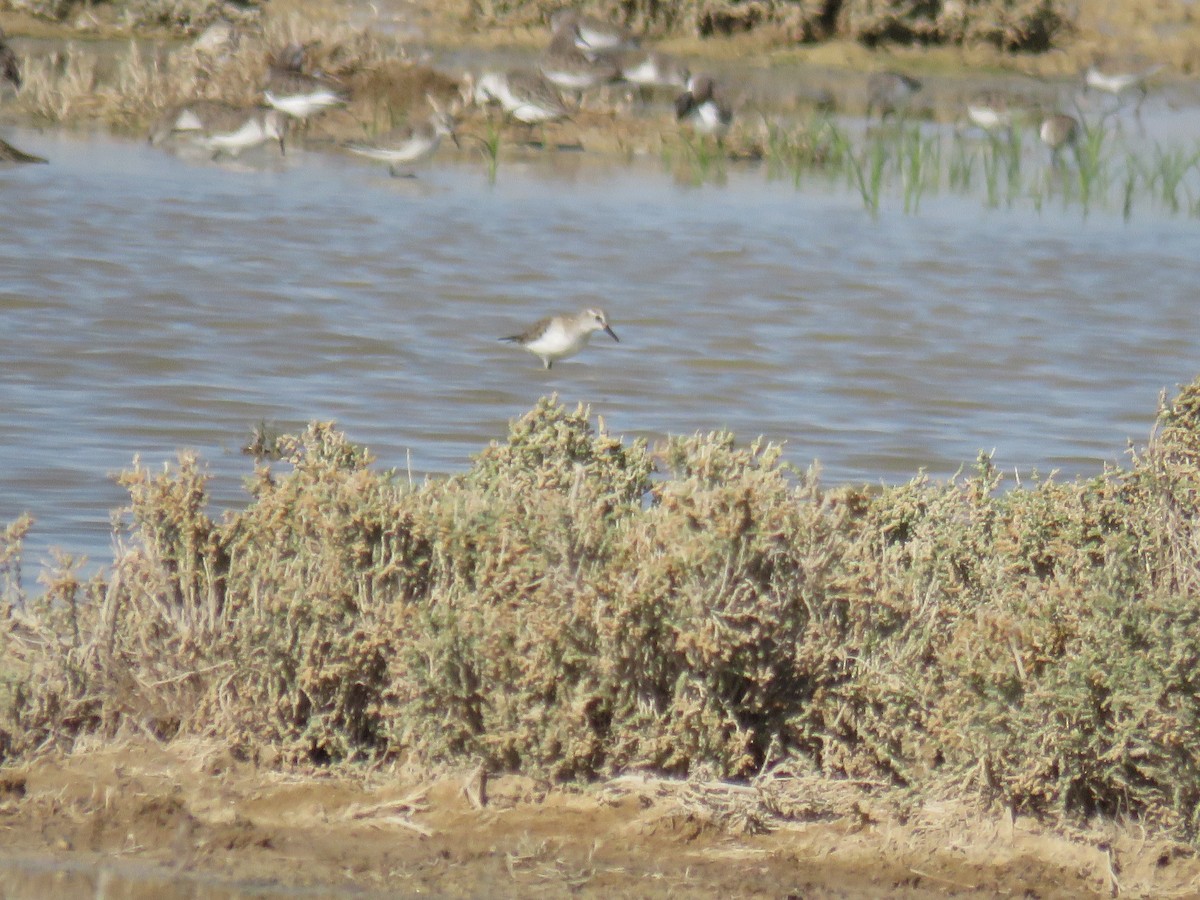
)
(142, 819)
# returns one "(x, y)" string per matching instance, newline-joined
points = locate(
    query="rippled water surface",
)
(151, 303)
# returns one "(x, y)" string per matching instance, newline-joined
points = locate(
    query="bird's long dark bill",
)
(612, 334)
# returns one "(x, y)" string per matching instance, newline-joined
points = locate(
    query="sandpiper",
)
(219, 41)
(10, 71)
(889, 93)
(1120, 85)
(591, 34)
(296, 92)
(524, 96)
(220, 127)
(558, 337)
(572, 69)
(1057, 131)
(990, 111)
(701, 106)
(1117, 83)
(650, 68)
(409, 143)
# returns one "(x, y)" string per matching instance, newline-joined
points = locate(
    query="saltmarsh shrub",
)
(574, 605)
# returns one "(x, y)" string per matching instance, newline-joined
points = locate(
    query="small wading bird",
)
(410, 143)
(220, 127)
(591, 34)
(888, 93)
(1119, 84)
(650, 69)
(298, 93)
(701, 107)
(1056, 132)
(525, 97)
(558, 337)
(573, 69)
(990, 112)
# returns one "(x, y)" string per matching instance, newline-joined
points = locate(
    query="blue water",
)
(152, 303)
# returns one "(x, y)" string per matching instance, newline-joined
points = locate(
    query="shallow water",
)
(152, 303)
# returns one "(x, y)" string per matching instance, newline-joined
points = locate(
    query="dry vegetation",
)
(129, 88)
(1021, 25)
(575, 607)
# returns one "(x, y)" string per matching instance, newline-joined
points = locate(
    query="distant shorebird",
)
(990, 111)
(558, 337)
(650, 69)
(1118, 83)
(572, 69)
(259, 127)
(1058, 131)
(10, 71)
(218, 41)
(526, 97)
(591, 34)
(889, 93)
(220, 127)
(296, 92)
(701, 107)
(10, 154)
(410, 143)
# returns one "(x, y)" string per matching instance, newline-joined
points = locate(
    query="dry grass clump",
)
(186, 16)
(131, 87)
(54, 10)
(576, 606)
(1016, 25)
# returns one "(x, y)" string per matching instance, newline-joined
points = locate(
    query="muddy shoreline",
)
(188, 818)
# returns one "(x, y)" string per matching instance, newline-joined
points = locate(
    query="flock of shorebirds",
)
(583, 53)
(993, 112)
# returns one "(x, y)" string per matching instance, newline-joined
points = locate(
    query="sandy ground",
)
(140, 819)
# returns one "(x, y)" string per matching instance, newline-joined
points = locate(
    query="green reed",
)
(1012, 164)
(866, 173)
(489, 145)
(920, 166)
(1129, 187)
(694, 159)
(992, 164)
(1091, 164)
(961, 168)
(1014, 167)
(1168, 171)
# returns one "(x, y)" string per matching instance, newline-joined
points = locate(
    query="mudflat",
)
(189, 819)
